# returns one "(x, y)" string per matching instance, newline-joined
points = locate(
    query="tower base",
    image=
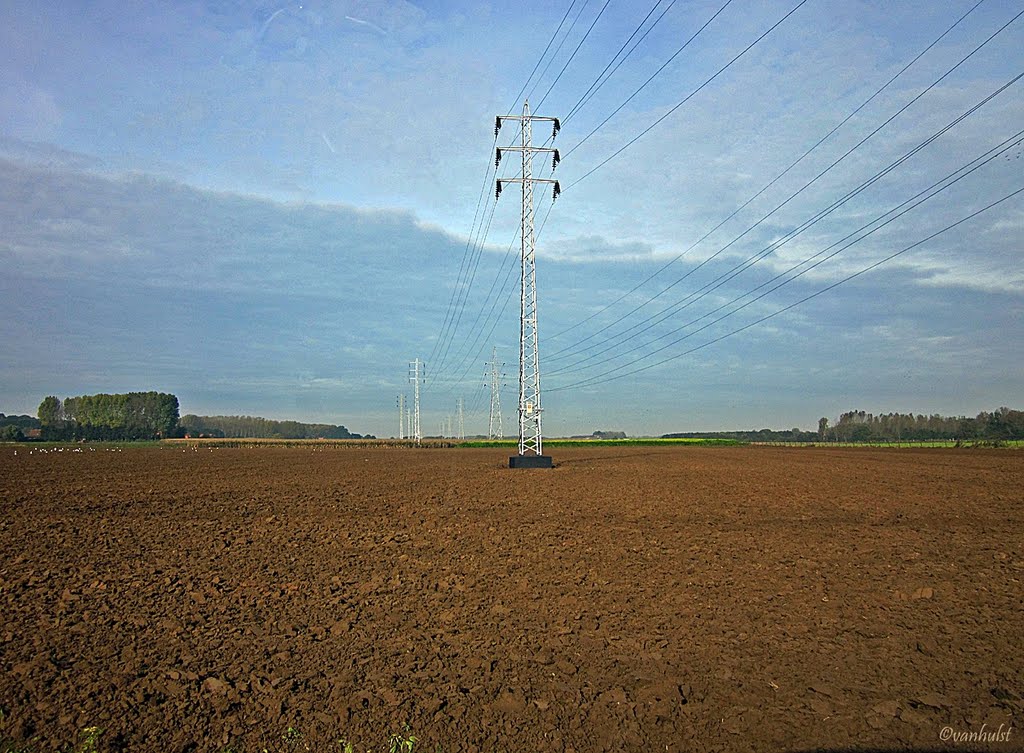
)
(530, 461)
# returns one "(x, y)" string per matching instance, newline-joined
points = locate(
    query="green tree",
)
(860, 433)
(11, 433)
(133, 415)
(165, 413)
(50, 412)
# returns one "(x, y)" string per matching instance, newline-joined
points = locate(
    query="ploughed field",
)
(631, 599)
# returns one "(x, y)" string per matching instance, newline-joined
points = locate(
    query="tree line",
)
(13, 428)
(859, 426)
(127, 416)
(150, 415)
(22, 422)
(254, 427)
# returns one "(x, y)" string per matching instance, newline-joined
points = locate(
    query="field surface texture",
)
(630, 599)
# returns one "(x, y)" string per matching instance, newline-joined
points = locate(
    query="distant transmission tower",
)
(494, 430)
(416, 370)
(530, 435)
(401, 416)
(462, 423)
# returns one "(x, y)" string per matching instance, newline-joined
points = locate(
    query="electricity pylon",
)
(494, 430)
(530, 435)
(401, 416)
(416, 368)
(459, 404)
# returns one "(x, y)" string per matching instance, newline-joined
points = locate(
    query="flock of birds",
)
(44, 451)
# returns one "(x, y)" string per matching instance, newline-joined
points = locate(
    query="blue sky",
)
(265, 208)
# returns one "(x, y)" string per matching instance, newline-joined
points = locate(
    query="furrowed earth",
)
(630, 599)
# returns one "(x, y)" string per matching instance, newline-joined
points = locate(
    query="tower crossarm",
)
(500, 181)
(531, 180)
(555, 122)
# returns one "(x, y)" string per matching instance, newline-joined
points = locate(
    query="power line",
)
(772, 182)
(508, 265)
(476, 402)
(541, 58)
(897, 211)
(555, 53)
(817, 177)
(595, 381)
(676, 107)
(475, 256)
(934, 189)
(598, 82)
(465, 254)
(692, 298)
(665, 65)
(591, 90)
(478, 255)
(508, 297)
(510, 294)
(684, 101)
(474, 264)
(571, 57)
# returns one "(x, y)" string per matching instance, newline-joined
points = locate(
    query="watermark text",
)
(984, 734)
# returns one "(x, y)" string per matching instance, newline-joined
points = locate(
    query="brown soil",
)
(631, 599)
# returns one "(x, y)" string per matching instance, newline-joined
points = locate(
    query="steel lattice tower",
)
(415, 376)
(459, 405)
(401, 416)
(494, 430)
(530, 434)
